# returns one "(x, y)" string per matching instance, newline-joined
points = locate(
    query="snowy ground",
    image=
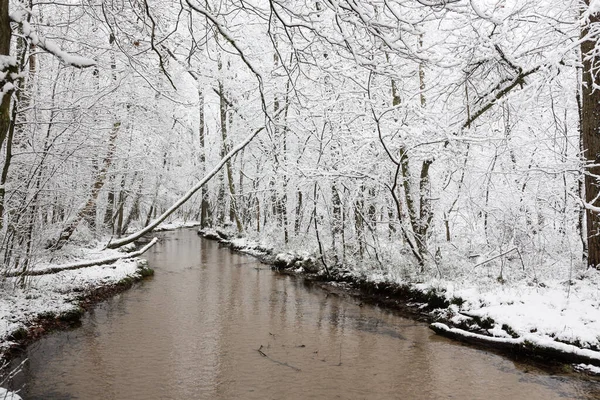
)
(564, 312)
(53, 294)
(6, 395)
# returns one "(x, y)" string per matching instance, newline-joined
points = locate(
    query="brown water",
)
(194, 331)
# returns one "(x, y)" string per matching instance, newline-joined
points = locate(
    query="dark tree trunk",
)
(590, 135)
(5, 36)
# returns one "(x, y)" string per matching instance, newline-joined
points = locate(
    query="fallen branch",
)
(82, 264)
(495, 257)
(262, 353)
(529, 344)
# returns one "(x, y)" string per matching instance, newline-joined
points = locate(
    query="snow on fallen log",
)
(83, 264)
(530, 344)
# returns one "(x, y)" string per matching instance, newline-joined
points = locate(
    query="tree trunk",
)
(590, 134)
(298, 213)
(109, 220)
(120, 207)
(5, 36)
(201, 134)
(233, 215)
(134, 236)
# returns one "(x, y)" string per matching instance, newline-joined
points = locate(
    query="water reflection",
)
(195, 330)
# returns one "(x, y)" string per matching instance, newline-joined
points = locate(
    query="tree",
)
(590, 127)
(7, 68)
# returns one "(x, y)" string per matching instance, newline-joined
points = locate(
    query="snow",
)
(549, 311)
(536, 340)
(49, 46)
(7, 395)
(594, 7)
(482, 14)
(592, 369)
(8, 86)
(54, 293)
(7, 61)
(176, 224)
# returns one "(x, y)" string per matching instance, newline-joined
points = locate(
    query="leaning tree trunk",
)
(590, 135)
(148, 228)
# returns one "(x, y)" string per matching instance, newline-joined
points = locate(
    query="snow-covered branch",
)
(51, 47)
(83, 264)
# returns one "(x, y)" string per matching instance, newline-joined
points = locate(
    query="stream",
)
(214, 324)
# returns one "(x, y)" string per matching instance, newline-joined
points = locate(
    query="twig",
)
(262, 353)
(493, 258)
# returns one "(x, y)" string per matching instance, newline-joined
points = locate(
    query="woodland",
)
(413, 139)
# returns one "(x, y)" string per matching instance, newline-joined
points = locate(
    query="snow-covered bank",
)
(176, 224)
(536, 318)
(55, 289)
(28, 309)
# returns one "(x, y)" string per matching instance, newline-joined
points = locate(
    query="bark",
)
(242, 203)
(5, 117)
(425, 212)
(298, 212)
(134, 212)
(421, 76)
(120, 207)
(5, 37)
(581, 190)
(409, 200)
(204, 211)
(359, 225)
(233, 215)
(590, 134)
(110, 204)
(284, 198)
(337, 227)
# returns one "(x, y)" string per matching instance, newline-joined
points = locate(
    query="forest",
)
(449, 144)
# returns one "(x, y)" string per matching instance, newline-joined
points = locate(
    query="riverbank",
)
(34, 305)
(554, 321)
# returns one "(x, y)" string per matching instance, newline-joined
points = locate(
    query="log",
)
(82, 264)
(530, 345)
